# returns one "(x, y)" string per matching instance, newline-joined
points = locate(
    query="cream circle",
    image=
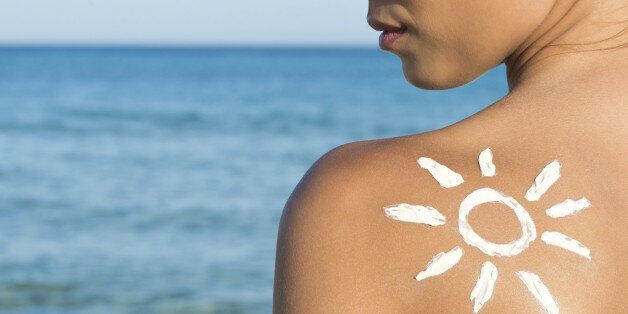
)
(487, 195)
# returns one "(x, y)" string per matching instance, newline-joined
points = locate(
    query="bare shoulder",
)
(335, 243)
(339, 252)
(327, 231)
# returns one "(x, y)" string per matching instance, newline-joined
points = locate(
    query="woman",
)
(559, 137)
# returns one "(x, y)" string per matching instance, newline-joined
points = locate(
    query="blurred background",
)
(147, 146)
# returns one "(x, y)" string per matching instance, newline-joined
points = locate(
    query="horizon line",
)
(71, 45)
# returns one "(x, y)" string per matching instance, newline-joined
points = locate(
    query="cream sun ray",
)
(483, 289)
(567, 207)
(416, 214)
(441, 263)
(539, 291)
(560, 240)
(544, 181)
(486, 163)
(446, 177)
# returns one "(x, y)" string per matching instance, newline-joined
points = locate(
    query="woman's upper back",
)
(340, 252)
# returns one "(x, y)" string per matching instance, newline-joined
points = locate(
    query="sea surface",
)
(137, 180)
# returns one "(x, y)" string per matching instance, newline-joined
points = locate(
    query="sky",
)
(186, 22)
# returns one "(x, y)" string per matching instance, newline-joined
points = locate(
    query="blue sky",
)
(205, 22)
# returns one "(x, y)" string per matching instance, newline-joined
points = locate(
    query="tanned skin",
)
(567, 66)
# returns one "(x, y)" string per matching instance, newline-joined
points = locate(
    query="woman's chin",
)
(432, 77)
(426, 79)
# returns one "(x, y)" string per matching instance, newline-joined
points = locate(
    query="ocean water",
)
(152, 180)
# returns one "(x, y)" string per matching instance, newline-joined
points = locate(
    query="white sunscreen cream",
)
(483, 289)
(544, 181)
(486, 163)
(446, 177)
(487, 195)
(567, 207)
(560, 240)
(415, 213)
(441, 263)
(539, 291)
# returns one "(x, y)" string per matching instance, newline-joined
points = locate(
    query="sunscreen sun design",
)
(485, 284)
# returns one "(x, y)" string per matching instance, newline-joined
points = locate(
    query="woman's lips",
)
(387, 38)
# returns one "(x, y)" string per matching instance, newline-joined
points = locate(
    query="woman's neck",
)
(567, 79)
(574, 36)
